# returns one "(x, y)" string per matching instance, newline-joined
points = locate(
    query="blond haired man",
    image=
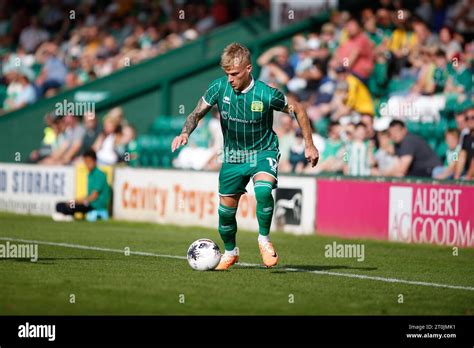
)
(250, 146)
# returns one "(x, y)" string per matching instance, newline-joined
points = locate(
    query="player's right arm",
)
(202, 108)
(190, 124)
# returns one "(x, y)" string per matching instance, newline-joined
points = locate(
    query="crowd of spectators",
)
(49, 45)
(67, 138)
(365, 78)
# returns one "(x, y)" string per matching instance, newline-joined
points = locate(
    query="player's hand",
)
(181, 139)
(312, 154)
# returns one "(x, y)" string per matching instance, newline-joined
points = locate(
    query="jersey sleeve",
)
(212, 93)
(278, 100)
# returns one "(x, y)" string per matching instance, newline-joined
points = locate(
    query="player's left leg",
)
(265, 180)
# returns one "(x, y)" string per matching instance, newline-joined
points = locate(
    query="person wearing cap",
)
(25, 92)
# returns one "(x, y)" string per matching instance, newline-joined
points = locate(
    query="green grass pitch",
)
(108, 282)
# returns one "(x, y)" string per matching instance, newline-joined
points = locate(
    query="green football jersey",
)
(246, 116)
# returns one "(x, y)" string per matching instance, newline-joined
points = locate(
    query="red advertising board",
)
(415, 213)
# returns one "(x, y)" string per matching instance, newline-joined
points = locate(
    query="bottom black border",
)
(242, 330)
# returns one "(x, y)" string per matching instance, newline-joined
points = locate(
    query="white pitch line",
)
(243, 264)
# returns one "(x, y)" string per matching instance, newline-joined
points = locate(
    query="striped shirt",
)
(246, 116)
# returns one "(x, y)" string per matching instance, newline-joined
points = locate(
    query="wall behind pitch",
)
(35, 189)
(439, 214)
(191, 198)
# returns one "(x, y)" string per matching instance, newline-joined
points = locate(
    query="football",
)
(204, 255)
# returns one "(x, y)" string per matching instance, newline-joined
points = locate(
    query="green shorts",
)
(234, 177)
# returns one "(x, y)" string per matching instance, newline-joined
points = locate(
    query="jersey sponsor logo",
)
(257, 106)
(224, 114)
(226, 100)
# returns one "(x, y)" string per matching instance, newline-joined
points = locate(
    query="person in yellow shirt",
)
(354, 95)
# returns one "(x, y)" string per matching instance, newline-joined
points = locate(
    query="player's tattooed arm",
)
(294, 108)
(195, 116)
(190, 124)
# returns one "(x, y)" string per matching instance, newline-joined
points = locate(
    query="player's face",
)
(238, 76)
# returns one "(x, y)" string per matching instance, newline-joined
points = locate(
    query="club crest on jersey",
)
(226, 100)
(257, 106)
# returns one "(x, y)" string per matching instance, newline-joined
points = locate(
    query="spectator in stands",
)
(402, 41)
(415, 155)
(359, 153)
(425, 11)
(357, 53)
(53, 72)
(69, 142)
(298, 45)
(98, 193)
(461, 125)
(424, 36)
(50, 139)
(328, 37)
(460, 77)
(385, 159)
(461, 14)
(128, 135)
(440, 74)
(106, 143)
(33, 35)
(332, 157)
(465, 162)
(197, 155)
(452, 154)
(92, 131)
(276, 67)
(205, 21)
(297, 158)
(321, 105)
(355, 99)
(447, 42)
(20, 91)
(425, 84)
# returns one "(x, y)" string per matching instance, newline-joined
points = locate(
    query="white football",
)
(204, 255)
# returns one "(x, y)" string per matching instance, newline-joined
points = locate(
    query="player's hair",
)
(235, 54)
(91, 154)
